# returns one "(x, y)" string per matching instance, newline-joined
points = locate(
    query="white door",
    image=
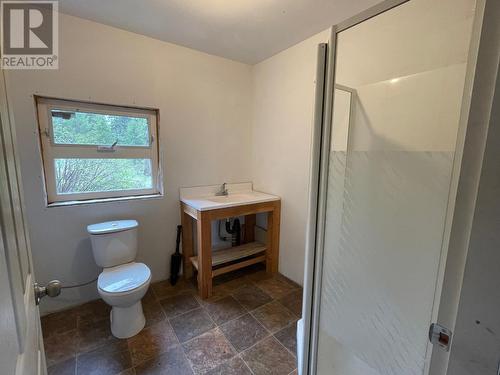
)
(390, 186)
(21, 346)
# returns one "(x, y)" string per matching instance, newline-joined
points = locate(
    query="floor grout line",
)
(238, 354)
(258, 342)
(231, 320)
(289, 351)
(271, 334)
(187, 359)
(215, 328)
(245, 363)
(287, 326)
(182, 314)
(161, 353)
(258, 321)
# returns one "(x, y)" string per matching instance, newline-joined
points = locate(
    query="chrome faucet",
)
(223, 190)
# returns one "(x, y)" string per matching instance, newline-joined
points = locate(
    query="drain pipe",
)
(221, 237)
(235, 231)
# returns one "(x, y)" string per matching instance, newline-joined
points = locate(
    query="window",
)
(95, 151)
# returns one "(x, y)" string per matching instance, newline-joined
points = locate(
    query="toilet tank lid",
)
(112, 226)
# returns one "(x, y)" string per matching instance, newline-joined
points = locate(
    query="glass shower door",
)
(398, 91)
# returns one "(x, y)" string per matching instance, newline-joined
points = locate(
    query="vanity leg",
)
(187, 244)
(250, 228)
(273, 238)
(204, 239)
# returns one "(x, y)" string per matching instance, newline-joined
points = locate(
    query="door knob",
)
(52, 289)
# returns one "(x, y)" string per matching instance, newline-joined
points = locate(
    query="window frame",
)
(51, 150)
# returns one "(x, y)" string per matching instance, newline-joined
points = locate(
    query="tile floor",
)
(247, 327)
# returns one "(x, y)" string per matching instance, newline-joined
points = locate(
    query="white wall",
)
(283, 99)
(423, 116)
(204, 104)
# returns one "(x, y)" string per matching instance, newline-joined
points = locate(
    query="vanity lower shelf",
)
(234, 258)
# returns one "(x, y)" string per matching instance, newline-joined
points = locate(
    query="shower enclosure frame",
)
(321, 137)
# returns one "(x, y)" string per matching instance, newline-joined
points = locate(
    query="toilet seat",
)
(123, 279)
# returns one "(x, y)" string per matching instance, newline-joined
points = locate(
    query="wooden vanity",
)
(205, 208)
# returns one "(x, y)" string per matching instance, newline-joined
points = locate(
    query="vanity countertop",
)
(204, 198)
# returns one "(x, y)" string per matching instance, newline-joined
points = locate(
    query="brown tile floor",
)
(247, 327)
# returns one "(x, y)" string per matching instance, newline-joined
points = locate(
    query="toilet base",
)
(127, 321)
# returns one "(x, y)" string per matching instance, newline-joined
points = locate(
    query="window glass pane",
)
(99, 175)
(85, 128)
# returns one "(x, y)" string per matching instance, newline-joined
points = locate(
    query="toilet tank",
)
(114, 242)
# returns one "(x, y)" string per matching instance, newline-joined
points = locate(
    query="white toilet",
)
(123, 282)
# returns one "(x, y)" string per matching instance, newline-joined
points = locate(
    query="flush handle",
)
(440, 335)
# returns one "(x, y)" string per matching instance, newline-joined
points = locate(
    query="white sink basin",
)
(232, 198)
(203, 198)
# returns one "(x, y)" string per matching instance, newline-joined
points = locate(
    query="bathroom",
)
(278, 138)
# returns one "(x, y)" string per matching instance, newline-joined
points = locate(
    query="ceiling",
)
(243, 30)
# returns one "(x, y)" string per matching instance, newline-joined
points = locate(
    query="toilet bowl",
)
(123, 287)
(123, 282)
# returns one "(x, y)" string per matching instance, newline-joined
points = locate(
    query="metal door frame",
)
(322, 124)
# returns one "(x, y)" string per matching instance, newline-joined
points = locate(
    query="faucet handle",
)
(223, 190)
